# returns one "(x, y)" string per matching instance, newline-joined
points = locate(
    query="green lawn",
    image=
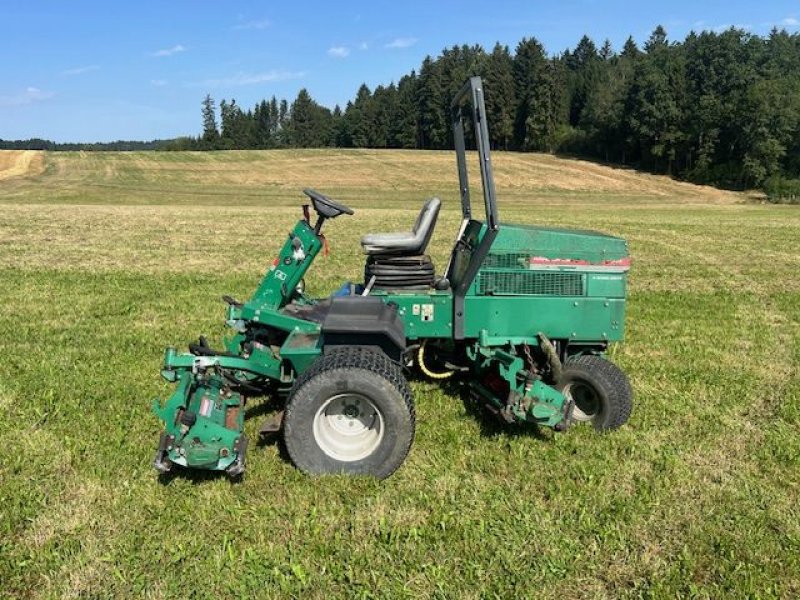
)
(104, 264)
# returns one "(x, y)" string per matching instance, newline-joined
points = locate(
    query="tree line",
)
(721, 108)
(117, 146)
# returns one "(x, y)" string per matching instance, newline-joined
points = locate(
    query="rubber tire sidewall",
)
(305, 402)
(610, 384)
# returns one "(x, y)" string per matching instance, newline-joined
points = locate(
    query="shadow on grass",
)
(491, 426)
(490, 423)
(195, 476)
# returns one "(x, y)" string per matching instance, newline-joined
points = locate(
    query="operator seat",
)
(406, 243)
(397, 261)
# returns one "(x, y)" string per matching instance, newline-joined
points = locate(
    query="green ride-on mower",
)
(523, 314)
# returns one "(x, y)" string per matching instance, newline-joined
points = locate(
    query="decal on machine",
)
(427, 312)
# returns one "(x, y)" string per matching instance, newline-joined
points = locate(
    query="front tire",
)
(600, 390)
(350, 412)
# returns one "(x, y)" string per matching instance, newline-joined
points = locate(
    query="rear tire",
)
(600, 390)
(350, 412)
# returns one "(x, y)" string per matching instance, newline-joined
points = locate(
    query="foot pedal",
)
(271, 424)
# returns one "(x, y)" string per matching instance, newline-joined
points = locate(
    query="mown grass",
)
(695, 497)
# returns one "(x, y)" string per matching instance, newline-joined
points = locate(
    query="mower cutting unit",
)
(523, 314)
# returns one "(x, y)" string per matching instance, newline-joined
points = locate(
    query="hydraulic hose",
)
(425, 369)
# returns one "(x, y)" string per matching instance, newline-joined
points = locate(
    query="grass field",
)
(107, 257)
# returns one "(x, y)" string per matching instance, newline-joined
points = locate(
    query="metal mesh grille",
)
(531, 283)
(508, 260)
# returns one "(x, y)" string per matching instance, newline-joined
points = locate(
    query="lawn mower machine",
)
(523, 315)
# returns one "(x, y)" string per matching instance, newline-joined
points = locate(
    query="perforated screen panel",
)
(533, 283)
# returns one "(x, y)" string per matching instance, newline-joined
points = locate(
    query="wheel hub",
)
(348, 427)
(587, 404)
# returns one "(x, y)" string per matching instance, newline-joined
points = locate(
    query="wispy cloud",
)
(402, 42)
(791, 21)
(363, 46)
(253, 78)
(258, 24)
(28, 96)
(169, 51)
(158, 82)
(339, 51)
(725, 27)
(80, 70)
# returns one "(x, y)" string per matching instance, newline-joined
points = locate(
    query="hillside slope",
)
(357, 176)
(16, 163)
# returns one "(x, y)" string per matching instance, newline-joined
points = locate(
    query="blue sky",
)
(100, 71)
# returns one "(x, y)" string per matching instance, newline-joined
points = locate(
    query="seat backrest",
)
(426, 222)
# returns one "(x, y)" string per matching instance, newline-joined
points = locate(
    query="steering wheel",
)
(325, 206)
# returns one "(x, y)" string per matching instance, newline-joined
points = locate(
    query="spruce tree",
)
(210, 135)
(498, 74)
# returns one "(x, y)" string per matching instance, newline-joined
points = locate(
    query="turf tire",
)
(368, 373)
(599, 384)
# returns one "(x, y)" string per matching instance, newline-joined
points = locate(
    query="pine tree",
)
(655, 107)
(498, 74)
(403, 132)
(274, 123)
(210, 135)
(433, 122)
(606, 52)
(531, 83)
(360, 116)
(309, 123)
(630, 49)
(262, 126)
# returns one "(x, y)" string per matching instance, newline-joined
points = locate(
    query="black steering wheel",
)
(326, 207)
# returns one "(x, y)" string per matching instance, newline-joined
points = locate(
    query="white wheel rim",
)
(582, 411)
(348, 427)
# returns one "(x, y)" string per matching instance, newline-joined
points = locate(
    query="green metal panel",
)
(301, 349)
(288, 269)
(609, 285)
(514, 317)
(424, 315)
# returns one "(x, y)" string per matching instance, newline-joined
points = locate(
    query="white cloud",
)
(791, 21)
(80, 70)
(727, 26)
(169, 51)
(27, 96)
(363, 46)
(403, 42)
(253, 78)
(259, 24)
(158, 82)
(338, 51)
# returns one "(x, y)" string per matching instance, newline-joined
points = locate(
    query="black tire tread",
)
(614, 380)
(363, 358)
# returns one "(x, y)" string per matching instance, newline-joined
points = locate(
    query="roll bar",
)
(471, 95)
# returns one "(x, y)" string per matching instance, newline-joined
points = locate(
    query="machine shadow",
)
(194, 476)
(491, 425)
